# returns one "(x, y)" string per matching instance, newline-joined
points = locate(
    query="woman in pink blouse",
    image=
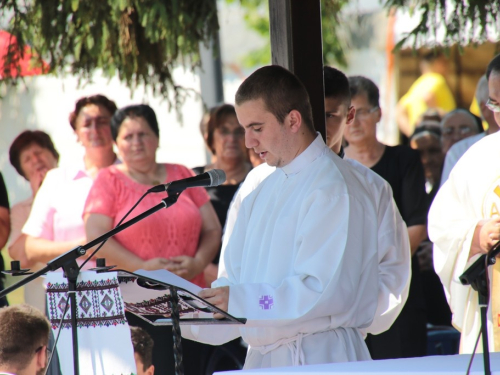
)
(183, 238)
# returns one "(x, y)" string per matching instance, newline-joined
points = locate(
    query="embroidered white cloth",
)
(146, 299)
(104, 343)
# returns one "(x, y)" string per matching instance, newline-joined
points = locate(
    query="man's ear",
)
(294, 120)
(379, 114)
(41, 358)
(150, 370)
(351, 112)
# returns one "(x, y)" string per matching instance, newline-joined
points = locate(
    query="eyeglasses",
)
(364, 113)
(493, 107)
(460, 129)
(238, 133)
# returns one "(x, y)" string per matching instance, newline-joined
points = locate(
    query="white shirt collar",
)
(316, 149)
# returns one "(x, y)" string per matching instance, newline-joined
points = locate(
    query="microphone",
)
(214, 177)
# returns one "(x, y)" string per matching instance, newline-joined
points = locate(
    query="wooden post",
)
(296, 44)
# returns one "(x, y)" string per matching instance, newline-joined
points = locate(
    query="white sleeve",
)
(394, 265)
(334, 273)
(41, 218)
(449, 162)
(451, 228)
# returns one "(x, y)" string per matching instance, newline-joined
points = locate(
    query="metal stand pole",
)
(176, 331)
(72, 270)
(483, 306)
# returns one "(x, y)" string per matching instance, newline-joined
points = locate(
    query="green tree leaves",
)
(141, 40)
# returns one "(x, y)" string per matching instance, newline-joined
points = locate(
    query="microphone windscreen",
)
(217, 177)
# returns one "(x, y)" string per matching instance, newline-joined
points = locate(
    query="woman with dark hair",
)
(225, 139)
(32, 154)
(55, 224)
(183, 239)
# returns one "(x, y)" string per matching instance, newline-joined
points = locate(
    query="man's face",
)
(364, 126)
(268, 138)
(494, 92)
(431, 155)
(456, 127)
(36, 160)
(338, 115)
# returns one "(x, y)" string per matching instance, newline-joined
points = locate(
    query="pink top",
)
(56, 214)
(166, 233)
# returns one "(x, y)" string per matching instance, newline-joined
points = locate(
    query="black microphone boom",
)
(214, 177)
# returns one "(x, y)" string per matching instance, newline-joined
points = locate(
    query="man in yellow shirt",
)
(430, 90)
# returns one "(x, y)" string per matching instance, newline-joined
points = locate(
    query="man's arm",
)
(416, 234)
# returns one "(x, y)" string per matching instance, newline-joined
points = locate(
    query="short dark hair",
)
(217, 117)
(336, 85)
(360, 85)
(493, 66)
(26, 139)
(143, 345)
(23, 330)
(86, 100)
(133, 111)
(432, 129)
(281, 92)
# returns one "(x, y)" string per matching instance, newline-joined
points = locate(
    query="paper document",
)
(169, 278)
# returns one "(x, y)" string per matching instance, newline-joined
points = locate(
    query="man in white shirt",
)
(302, 263)
(464, 221)
(458, 149)
(393, 242)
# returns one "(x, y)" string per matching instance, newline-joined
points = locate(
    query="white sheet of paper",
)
(170, 278)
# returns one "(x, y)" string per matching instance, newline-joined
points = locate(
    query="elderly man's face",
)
(364, 126)
(456, 127)
(431, 155)
(36, 161)
(494, 93)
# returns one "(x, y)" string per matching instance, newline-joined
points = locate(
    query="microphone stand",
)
(477, 277)
(67, 262)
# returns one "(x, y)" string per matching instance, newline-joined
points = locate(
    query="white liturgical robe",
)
(470, 194)
(393, 242)
(302, 265)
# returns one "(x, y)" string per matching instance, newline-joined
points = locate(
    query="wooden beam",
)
(296, 44)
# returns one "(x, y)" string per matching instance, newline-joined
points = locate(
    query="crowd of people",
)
(325, 249)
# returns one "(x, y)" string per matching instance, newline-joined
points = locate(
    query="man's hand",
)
(486, 234)
(219, 297)
(489, 234)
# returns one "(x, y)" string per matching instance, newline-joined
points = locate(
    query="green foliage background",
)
(257, 19)
(141, 41)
